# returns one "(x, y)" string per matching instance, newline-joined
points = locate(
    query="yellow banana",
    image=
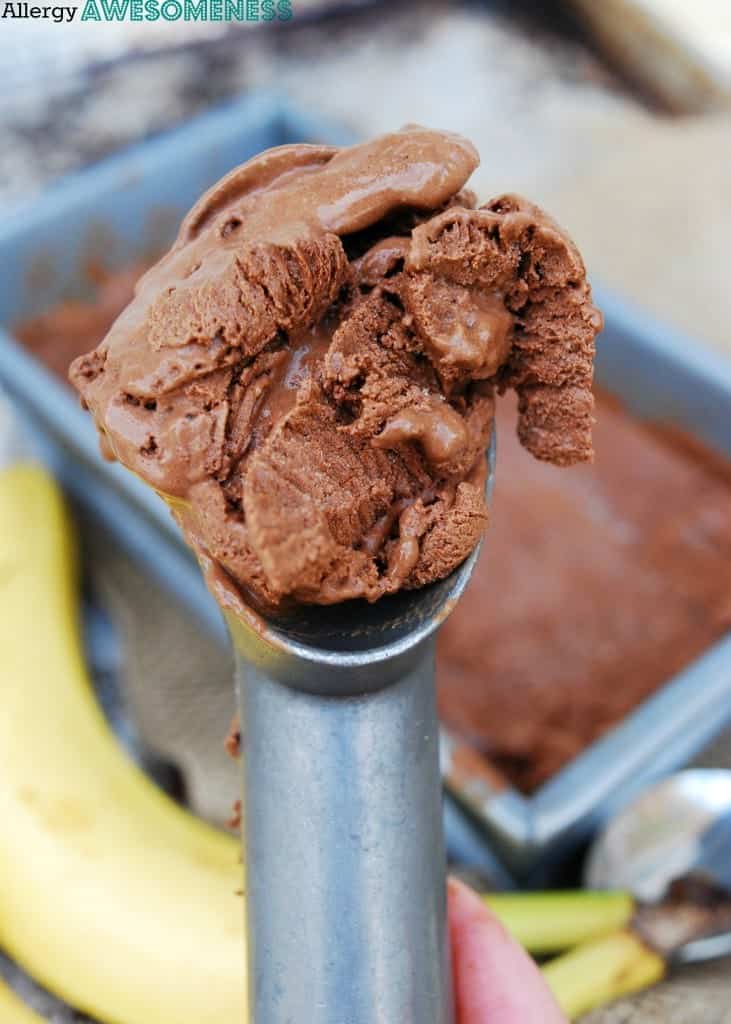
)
(548, 922)
(601, 970)
(111, 896)
(13, 1010)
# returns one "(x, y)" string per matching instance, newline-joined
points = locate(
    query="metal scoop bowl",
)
(341, 811)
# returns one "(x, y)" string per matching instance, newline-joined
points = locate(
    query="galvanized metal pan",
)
(656, 373)
(660, 376)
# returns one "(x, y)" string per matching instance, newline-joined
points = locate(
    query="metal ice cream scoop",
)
(341, 817)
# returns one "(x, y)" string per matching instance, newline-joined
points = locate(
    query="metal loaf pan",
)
(134, 201)
(662, 376)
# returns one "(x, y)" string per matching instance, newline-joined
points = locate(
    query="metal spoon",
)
(671, 850)
(342, 818)
(667, 847)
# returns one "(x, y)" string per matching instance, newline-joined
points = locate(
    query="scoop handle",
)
(343, 847)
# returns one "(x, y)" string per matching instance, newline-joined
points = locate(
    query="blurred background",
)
(614, 116)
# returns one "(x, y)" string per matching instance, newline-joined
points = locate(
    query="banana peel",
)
(111, 896)
(602, 970)
(550, 922)
(14, 1010)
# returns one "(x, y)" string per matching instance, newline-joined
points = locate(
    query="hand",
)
(495, 981)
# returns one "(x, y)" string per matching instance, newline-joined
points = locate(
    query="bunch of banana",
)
(113, 897)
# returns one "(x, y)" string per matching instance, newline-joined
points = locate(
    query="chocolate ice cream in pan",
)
(309, 378)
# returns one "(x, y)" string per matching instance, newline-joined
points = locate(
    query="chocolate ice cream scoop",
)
(309, 374)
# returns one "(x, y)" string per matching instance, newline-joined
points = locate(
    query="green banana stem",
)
(548, 922)
(602, 970)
